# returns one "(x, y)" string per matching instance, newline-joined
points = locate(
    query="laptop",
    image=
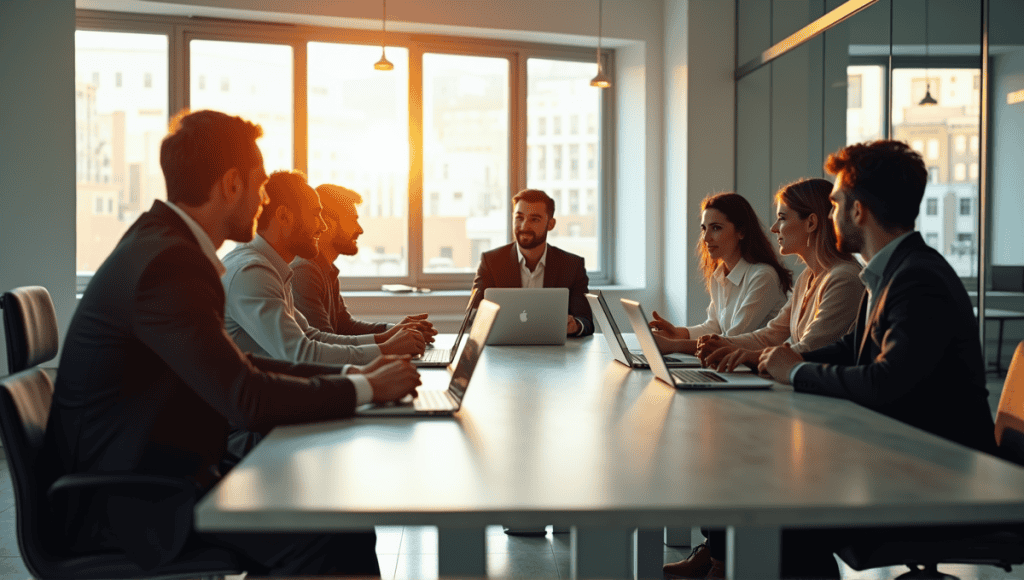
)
(442, 357)
(684, 378)
(616, 344)
(431, 399)
(529, 315)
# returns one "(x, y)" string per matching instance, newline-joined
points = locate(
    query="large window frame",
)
(180, 31)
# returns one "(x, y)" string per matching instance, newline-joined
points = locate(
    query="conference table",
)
(566, 436)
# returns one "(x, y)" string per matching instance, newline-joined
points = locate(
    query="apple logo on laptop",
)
(522, 316)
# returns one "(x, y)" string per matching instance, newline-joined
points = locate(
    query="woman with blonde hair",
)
(746, 280)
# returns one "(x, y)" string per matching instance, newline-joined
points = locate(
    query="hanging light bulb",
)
(928, 98)
(383, 63)
(601, 80)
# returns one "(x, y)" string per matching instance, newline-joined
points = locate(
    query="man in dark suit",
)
(914, 354)
(150, 383)
(530, 262)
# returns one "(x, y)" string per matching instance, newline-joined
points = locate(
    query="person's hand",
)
(709, 343)
(571, 326)
(727, 358)
(665, 344)
(419, 322)
(662, 326)
(778, 362)
(391, 377)
(404, 341)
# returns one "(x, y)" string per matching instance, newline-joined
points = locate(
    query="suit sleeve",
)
(578, 305)
(484, 277)
(910, 339)
(836, 310)
(176, 315)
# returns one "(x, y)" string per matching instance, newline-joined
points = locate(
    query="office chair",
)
(991, 545)
(25, 399)
(30, 327)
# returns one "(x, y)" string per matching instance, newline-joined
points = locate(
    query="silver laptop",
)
(529, 315)
(442, 357)
(431, 399)
(684, 378)
(616, 344)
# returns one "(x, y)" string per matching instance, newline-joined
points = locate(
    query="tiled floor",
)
(410, 553)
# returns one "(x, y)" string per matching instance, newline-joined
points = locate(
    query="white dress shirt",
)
(742, 301)
(205, 243)
(533, 279)
(261, 318)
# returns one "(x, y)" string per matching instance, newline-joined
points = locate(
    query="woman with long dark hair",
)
(826, 294)
(746, 280)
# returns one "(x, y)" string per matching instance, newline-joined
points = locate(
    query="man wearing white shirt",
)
(260, 315)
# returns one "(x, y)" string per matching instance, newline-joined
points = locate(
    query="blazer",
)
(499, 268)
(150, 383)
(317, 295)
(916, 356)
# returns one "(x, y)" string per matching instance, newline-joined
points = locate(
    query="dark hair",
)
(200, 148)
(886, 176)
(284, 189)
(810, 196)
(754, 245)
(336, 199)
(534, 196)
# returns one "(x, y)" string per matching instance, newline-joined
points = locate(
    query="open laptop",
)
(616, 344)
(430, 398)
(442, 357)
(684, 378)
(529, 315)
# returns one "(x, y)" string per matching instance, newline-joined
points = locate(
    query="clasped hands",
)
(410, 336)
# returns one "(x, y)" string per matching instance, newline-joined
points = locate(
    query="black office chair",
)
(24, 409)
(923, 549)
(30, 327)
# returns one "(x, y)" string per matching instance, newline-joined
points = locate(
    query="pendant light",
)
(928, 99)
(601, 80)
(383, 63)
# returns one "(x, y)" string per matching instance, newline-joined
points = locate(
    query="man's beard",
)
(848, 238)
(344, 245)
(304, 245)
(533, 242)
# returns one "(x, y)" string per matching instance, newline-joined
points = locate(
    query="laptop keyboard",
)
(697, 376)
(437, 355)
(433, 399)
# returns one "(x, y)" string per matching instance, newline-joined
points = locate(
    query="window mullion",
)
(416, 165)
(300, 138)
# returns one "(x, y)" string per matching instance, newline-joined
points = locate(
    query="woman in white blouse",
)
(744, 277)
(826, 294)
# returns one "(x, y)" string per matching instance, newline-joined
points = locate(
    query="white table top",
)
(566, 436)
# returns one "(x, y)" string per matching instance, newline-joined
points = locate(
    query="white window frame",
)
(181, 30)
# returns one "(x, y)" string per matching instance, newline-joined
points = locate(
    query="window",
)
(574, 202)
(933, 174)
(432, 159)
(932, 206)
(972, 171)
(117, 79)
(960, 144)
(933, 149)
(965, 206)
(113, 137)
(932, 239)
(960, 172)
(974, 144)
(853, 91)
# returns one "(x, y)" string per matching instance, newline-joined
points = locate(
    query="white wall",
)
(699, 139)
(37, 168)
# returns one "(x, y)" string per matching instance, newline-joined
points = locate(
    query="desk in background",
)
(566, 436)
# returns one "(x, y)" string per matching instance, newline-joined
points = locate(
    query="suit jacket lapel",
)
(899, 254)
(552, 268)
(509, 276)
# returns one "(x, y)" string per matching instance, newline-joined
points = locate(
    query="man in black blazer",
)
(150, 383)
(914, 354)
(530, 262)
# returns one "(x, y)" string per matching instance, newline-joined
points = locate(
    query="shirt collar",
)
(205, 243)
(262, 246)
(735, 275)
(328, 268)
(872, 274)
(522, 258)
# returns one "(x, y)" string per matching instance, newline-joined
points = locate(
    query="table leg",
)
(603, 553)
(650, 553)
(999, 349)
(461, 553)
(752, 552)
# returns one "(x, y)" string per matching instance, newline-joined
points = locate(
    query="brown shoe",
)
(717, 571)
(696, 565)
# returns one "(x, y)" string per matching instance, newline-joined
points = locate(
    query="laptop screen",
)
(483, 320)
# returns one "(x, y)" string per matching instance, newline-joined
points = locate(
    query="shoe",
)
(717, 571)
(696, 565)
